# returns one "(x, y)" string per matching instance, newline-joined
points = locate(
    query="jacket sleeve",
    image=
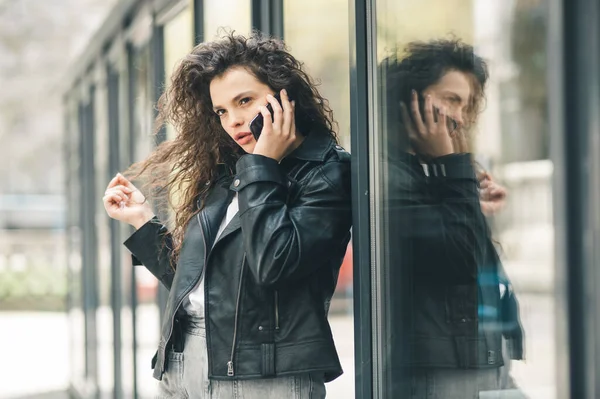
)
(285, 242)
(437, 220)
(151, 246)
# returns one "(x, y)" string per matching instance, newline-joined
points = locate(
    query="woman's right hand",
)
(428, 138)
(125, 203)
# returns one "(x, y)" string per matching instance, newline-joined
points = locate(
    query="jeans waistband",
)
(194, 325)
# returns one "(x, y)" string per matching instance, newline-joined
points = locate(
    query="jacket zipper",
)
(190, 289)
(230, 371)
(276, 310)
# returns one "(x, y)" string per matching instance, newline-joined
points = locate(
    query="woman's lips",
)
(244, 138)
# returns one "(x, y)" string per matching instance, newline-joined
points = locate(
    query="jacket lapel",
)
(233, 225)
(214, 211)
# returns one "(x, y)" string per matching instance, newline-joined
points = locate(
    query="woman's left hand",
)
(492, 195)
(279, 136)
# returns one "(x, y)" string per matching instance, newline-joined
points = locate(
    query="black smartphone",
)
(256, 124)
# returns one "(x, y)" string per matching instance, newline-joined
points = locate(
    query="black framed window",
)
(425, 293)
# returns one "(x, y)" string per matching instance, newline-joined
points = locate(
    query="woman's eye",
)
(220, 112)
(244, 100)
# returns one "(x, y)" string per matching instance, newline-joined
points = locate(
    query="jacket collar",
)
(314, 147)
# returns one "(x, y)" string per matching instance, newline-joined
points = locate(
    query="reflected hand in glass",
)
(427, 127)
(492, 195)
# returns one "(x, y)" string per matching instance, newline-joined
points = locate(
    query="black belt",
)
(178, 337)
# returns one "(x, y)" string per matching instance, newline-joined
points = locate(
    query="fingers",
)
(124, 181)
(283, 122)
(429, 118)
(288, 112)
(406, 119)
(455, 142)
(119, 179)
(277, 111)
(114, 181)
(497, 192)
(267, 121)
(442, 120)
(121, 192)
(113, 199)
(417, 118)
(483, 177)
(293, 126)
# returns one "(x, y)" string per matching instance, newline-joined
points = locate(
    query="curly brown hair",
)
(179, 173)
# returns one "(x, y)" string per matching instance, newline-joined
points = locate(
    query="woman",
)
(261, 225)
(457, 325)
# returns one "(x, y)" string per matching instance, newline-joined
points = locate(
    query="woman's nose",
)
(235, 119)
(458, 117)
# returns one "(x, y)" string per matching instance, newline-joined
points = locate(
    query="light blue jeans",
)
(495, 383)
(186, 376)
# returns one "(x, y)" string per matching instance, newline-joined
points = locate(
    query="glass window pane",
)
(147, 312)
(229, 14)
(74, 245)
(326, 61)
(178, 41)
(461, 183)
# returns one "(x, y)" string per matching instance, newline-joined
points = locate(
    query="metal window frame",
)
(157, 54)
(360, 69)
(574, 98)
(131, 85)
(89, 249)
(198, 17)
(267, 17)
(114, 164)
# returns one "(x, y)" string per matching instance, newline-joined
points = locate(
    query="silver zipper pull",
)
(230, 368)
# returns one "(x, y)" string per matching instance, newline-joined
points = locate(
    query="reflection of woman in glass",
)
(261, 225)
(456, 324)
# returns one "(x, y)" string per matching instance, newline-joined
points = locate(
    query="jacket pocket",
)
(461, 303)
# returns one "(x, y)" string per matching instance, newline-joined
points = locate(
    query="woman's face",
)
(236, 96)
(453, 91)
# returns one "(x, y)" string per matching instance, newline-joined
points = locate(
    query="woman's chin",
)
(249, 148)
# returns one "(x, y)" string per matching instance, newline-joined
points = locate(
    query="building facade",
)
(537, 135)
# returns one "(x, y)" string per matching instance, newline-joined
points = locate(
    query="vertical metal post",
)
(267, 17)
(198, 21)
(361, 237)
(574, 100)
(131, 88)
(158, 77)
(115, 236)
(89, 236)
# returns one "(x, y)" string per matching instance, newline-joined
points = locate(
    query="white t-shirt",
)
(194, 303)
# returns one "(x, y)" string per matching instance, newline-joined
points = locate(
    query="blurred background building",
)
(38, 40)
(79, 79)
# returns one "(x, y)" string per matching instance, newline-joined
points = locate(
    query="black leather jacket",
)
(449, 310)
(270, 276)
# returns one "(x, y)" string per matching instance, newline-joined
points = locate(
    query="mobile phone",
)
(256, 124)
